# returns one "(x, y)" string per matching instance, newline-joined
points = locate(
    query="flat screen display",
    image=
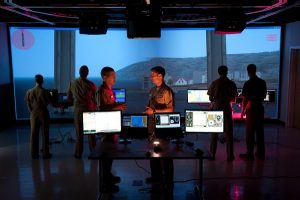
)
(167, 120)
(135, 121)
(197, 96)
(101, 122)
(204, 121)
(120, 95)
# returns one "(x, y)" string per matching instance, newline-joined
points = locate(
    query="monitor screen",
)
(167, 120)
(197, 96)
(101, 122)
(204, 121)
(120, 95)
(135, 121)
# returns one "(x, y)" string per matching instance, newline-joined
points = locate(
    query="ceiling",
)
(173, 13)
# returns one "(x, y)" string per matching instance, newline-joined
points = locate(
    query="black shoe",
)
(230, 158)
(260, 156)
(77, 156)
(153, 180)
(48, 156)
(115, 179)
(111, 188)
(247, 156)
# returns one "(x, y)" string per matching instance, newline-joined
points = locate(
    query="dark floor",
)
(63, 177)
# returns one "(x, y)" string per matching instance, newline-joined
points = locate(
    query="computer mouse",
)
(157, 149)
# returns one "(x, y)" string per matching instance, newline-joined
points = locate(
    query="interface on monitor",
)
(101, 122)
(204, 121)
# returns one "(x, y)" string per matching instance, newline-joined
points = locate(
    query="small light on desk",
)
(156, 142)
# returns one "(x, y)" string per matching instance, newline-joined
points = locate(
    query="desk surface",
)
(138, 149)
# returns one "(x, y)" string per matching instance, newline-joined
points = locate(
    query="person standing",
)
(81, 93)
(38, 99)
(254, 93)
(161, 101)
(106, 100)
(221, 93)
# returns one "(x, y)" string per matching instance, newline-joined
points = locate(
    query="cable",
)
(240, 177)
(139, 166)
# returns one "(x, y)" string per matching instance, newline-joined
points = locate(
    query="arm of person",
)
(103, 103)
(70, 94)
(169, 102)
(28, 102)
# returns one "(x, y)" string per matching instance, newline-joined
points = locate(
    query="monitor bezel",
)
(103, 111)
(202, 110)
(187, 93)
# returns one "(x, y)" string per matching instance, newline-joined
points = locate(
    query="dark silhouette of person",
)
(81, 93)
(221, 93)
(254, 92)
(38, 99)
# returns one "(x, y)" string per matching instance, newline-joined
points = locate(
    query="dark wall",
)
(6, 89)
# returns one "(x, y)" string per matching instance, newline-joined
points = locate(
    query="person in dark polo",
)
(254, 93)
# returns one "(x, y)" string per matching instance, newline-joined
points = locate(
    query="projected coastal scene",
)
(182, 53)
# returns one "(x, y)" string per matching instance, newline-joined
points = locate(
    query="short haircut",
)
(223, 70)
(39, 79)
(159, 70)
(251, 68)
(83, 71)
(106, 70)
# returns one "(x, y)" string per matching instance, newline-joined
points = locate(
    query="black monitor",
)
(53, 95)
(198, 121)
(197, 96)
(168, 125)
(120, 95)
(95, 122)
(134, 126)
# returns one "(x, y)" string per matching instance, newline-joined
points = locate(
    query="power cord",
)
(139, 166)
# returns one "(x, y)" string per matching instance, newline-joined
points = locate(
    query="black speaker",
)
(93, 24)
(143, 20)
(232, 23)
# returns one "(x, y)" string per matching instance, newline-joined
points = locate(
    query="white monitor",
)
(197, 96)
(101, 122)
(167, 120)
(197, 121)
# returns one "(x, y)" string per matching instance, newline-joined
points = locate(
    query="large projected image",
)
(32, 53)
(260, 46)
(182, 52)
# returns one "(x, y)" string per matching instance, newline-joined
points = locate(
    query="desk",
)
(138, 149)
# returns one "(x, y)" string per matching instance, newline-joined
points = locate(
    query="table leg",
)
(201, 179)
(100, 179)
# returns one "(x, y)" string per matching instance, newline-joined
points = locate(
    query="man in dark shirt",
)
(221, 93)
(254, 92)
(161, 101)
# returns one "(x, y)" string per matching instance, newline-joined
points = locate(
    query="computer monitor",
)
(102, 122)
(120, 95)
(197, 121)
(167, 120)
(168, 125)
(134, 126)
(270, 96)
(135, 121)
(197, 96)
